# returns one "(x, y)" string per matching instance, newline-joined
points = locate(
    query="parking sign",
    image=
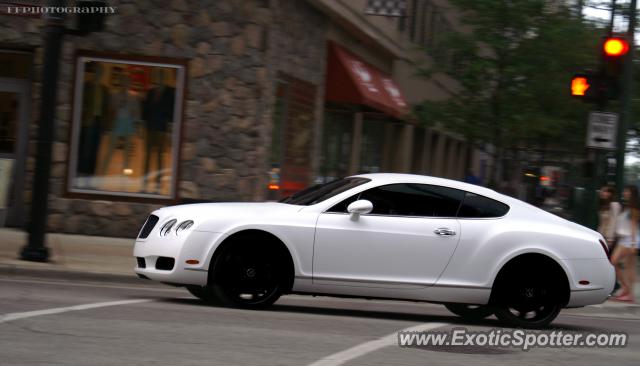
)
(601, 133)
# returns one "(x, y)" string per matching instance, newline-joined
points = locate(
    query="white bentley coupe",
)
(392, 236)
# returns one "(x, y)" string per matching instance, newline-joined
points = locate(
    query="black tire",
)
(470, 312)
(200, 292)
(529, 302)
(247, 274)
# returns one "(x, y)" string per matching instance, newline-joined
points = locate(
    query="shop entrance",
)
(14, 99)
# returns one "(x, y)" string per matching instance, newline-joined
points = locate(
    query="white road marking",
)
(371, 346)
(30, 314)
(612, 316)
(93, 284)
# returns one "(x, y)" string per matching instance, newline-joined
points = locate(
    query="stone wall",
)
(235, 49)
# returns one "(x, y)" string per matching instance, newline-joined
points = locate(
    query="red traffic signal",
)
(615, 47)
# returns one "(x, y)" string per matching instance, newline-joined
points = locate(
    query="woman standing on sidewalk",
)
(627, 244)
(607, 214)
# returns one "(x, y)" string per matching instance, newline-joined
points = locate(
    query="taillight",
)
(604, 247)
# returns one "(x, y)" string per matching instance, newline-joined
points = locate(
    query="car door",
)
(407, 239)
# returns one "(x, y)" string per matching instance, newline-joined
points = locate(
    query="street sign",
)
(601, 133)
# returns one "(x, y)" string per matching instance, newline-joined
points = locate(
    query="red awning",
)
(351, 80)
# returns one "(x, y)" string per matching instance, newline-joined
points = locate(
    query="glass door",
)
(13, 131)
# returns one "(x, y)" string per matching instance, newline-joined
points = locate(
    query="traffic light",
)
(605, 84)
(587, 87)
(615, 47)
(614, 51)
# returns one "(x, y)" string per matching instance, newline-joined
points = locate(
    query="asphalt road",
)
(48, 321)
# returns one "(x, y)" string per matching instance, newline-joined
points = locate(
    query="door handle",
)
(443, 231)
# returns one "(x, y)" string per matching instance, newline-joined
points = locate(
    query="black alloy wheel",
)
(200, 292)
(529, 304)
(248, 276)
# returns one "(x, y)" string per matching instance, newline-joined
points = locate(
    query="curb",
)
(12, 270)
(612, 304)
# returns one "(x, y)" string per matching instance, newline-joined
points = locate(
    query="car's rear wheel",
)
(529, 304)
(249, 275)
(470, 312)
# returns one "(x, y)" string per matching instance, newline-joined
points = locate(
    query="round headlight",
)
(166, 228)
(185, 225)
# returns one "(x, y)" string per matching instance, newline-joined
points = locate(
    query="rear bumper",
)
(600, 275)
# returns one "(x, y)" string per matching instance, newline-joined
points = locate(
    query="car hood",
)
(226, 209)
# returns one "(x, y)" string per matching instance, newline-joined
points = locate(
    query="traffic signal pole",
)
(625, 99)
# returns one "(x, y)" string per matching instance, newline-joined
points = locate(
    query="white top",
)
(607, 221)
(623, 223)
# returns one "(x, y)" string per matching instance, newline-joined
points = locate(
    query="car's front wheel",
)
(470, 312)
(200, 292)
(249, 275)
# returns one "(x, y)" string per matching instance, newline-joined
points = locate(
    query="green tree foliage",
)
(514, 70)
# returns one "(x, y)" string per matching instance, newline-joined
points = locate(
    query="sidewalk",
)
(80, 254)
(97, 257)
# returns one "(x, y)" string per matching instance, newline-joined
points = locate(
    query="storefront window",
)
(373, 142)
(336, 145)
(126, 127)
(292, 135)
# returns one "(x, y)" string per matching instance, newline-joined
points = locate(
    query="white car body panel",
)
(386, 256)
(381, 251)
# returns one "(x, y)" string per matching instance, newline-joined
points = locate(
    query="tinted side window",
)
(475, 206)
(409, 200)
(321, 192)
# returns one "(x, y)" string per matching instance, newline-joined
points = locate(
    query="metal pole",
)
(625, 105)
(35, 250)
(594, 156)
(613, 16)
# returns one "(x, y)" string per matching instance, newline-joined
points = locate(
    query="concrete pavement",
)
(87, 307)
(53, 322)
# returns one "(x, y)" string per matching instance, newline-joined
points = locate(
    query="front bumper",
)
(193, 247)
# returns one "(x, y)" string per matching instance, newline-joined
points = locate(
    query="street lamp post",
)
(54, 30)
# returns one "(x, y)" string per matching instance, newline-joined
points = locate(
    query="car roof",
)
(391, 178)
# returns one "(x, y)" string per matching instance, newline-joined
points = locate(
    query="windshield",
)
(321, 192)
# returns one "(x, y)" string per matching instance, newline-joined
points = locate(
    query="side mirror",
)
(360, 207)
